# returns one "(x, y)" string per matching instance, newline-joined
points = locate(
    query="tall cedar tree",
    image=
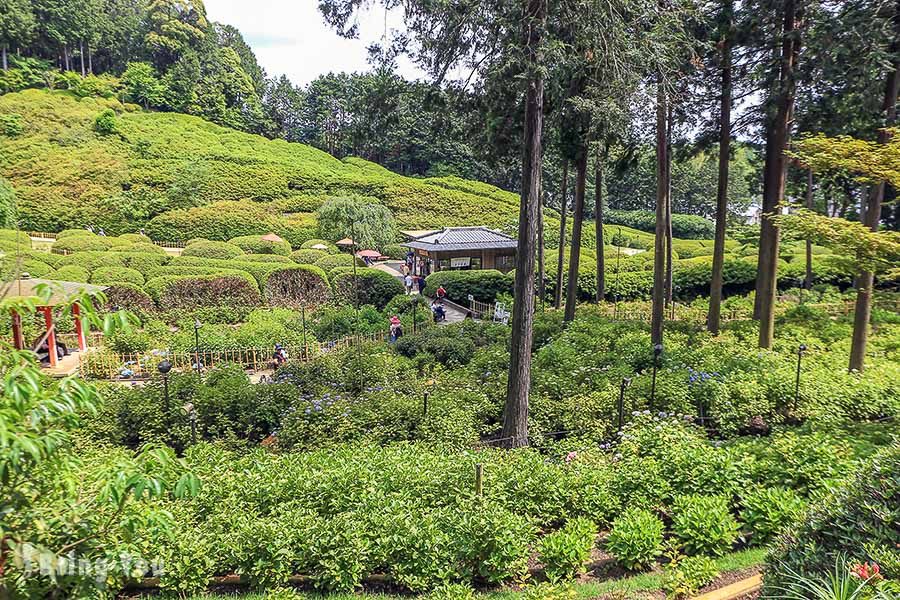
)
(865, 279)
(777, 136)
(659, 243)
(515, 412)
(577, 222)
(602, 150)
(715, 292)
(561, 257)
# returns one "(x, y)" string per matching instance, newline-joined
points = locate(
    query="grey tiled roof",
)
(463, 238)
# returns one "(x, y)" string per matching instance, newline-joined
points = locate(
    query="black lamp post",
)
(626, 381)
(164, 367)
(657, 352)
(197, 326)
(192, 416)
(800, 352)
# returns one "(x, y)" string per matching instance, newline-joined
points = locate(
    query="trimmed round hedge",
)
(72, 273)
(254, 244)
(691, 227)
(105, 275)
(307, 256)
(485, 285)
(375, 287)
(127, 296)
(95, 260)
(334, 261)
(136, 238)
(70, 233)
(267, 258)
(146, 248)
(185, 291)
(331, 248)
(82, 243)
(210, 249)
(296, 285)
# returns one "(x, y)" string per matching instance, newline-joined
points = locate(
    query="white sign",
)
(471, 298)
(462, 261)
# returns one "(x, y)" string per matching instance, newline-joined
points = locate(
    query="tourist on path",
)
(408, 281)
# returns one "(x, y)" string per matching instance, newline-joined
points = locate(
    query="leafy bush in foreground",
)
(485, 285)
(859, 520)
(704, 524)
(254, 244)
(565, 552)
(769, 510)
(367, 286)
(636, 538)
(210, 249)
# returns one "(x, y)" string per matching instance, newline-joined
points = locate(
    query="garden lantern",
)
(164, 367)
(657, 352)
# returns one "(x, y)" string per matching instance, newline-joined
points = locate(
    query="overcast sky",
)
(290, 38)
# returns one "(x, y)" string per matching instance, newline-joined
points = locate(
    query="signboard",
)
(462, 261)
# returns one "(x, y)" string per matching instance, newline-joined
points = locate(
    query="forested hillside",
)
(72, 164)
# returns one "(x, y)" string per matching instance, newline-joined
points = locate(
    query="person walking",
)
(408, 281)
(421, 282)
(441, 293)
(396, 330)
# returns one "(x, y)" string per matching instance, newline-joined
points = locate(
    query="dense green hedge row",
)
(690, 227)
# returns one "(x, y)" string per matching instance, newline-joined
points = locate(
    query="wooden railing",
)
(102, 364)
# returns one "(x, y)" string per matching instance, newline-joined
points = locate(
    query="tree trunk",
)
(542, 274)
(575, 249)
(866, 279)
(773, 185)
(713, 318)
(515, 412)
(669, 206)
(90, 60)
(81, 56)
(659, 243)
(557, 299)
(3, 52)
(66, 57)
(808, 279)
(598, 223)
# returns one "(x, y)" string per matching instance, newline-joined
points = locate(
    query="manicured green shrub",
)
(636, 538)
(136, 238)
(296, 285)
(685, 575)
(266, 258)
(307, 256)
(142, 247)
(333, 261)
(72, 273)
(330, 247)
(142, 261)
(191, 271)
(126, 296)
(484, 285)
(683, 226)
(66, 233)
(767, 511)
(185, 291)
(106, 275)
(217, 221)
(565, 552)
(105, 122)
(446, 346)
(11, 267)
(366, 286)
(81, 243)
(856, 520)
(95, 260)
(704, 524)
(209, 249)
(254, 244)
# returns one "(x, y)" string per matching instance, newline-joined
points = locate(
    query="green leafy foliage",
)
(685, 575)
(636, 538)
(565, 552)
(767, 511)
(484, 285)
(210, 249)
(683, 226)
(704, 524)
(254, 244)
(366, 286)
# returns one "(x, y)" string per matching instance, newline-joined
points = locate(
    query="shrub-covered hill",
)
(67, 173)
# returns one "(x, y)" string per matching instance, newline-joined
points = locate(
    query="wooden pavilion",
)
(61, 293)
(461, 248)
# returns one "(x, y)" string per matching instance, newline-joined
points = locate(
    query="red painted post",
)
(79, 330)
(51, 334)
(18, 339)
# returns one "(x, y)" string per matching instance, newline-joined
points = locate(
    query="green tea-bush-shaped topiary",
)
(330, 247)
(368, 286)
(297, 285)
(139, 247)
(81, 243)
(704, 524)
(565, 552)
(636, 538)
(254, 244)
(334, 261)
(266, 258)
(117, 275)
(210, 249)
(308, 256)
(72, 273)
